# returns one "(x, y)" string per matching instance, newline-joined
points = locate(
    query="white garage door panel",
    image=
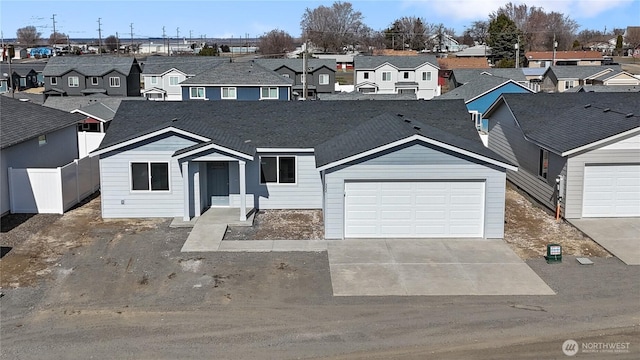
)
(414, 209)
(611, 191)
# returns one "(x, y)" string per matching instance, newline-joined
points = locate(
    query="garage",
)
(414, 209)
(611, 190)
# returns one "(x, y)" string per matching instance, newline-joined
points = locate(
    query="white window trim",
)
(426, 76)
(154, 80)
(365, 75)
(96, 80)
(204, 92)
(323, 76)
(149, 171)
(177, 80)
(111, 81)
(77, 84)
(386, 72)
(278, 183)
(42, 140)
(269, 98)
(53, 80)
(235, 93)
(286, 75)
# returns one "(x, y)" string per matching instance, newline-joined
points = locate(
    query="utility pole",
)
(117, 45)
(555, 45)
(190, 31)
(99, 37)
(131, 48)
(517, 46)
(304, 70)
(55, 35)
(164, 41)
(177, 38)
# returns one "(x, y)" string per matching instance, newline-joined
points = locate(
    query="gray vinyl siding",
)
(63, 83)
(61, 149)
(506, 139)
(575, 174)
(315, 80)
(415, 162)
(115, 91)
(305, 194)
(116, 187)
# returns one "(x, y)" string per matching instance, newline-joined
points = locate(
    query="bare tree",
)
(370, 40)
(632, 38)
(478, 31)
(28, 36)
(111, 42)
(408, 32)
(58, 38)
(275, 43)
(332, 28)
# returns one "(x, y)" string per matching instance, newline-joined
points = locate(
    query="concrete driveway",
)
(620, 236)
(401, 267)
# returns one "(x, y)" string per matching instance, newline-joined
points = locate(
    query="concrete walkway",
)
(209, 229)
(620, 236)
(402, 267)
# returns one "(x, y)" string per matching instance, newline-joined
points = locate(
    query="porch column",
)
(243, 191)
(196, 191)
(185, 191)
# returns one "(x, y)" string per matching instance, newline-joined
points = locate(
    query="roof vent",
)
(407, 121)
(416, 127)
(629, 115)
(606, 110)
(400, 115)
(247, 141)
(587, 106)
(174, 119)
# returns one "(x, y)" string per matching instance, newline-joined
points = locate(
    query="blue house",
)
(237, 81)
(479, 93)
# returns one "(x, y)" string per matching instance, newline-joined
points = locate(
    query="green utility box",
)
(554, 253)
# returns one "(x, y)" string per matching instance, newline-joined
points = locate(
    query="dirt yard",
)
(281, 225)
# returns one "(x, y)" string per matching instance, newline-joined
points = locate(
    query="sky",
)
(244, 18)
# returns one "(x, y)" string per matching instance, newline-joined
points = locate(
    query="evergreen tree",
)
(503, 35)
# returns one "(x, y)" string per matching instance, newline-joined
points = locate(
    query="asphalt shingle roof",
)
(463, 76)
(88, 65)
(356, 95)
(401, 62)
(69, 103)
(22, 69)
(21, 121)
(565, 121)
(249, 125)
(604, 88)
(99, 110)
(473, 88)
(580, 72)
(238, 73)
(190, 65)
(296, 64)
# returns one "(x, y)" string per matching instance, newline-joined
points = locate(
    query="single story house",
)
(543, 59)
(375, 168)
(577, 150)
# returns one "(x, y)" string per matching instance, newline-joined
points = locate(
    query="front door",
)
(218, 183)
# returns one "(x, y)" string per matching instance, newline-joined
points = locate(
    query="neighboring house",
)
(481, 51)
(237, 81)
(560, 58)
(162, 75)
(588, 143)
(375, 168)
(25, 75)
(344, 62)
(321, 75)
(89, 74)
(479, 93)
(33, 136)
(459, 77)
(614, 78)
(365, 96)
(397, 75)
(445, 44)
(604, 88)
(562, 78)
(448, 64)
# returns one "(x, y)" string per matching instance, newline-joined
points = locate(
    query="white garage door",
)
(414, 209)
(611, 191)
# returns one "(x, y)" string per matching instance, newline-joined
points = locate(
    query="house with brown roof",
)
(536, 59)
(448, 64)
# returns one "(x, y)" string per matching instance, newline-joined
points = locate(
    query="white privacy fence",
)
(55, 190)
(88, 141)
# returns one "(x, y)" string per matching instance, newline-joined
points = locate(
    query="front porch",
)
(209, 228)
